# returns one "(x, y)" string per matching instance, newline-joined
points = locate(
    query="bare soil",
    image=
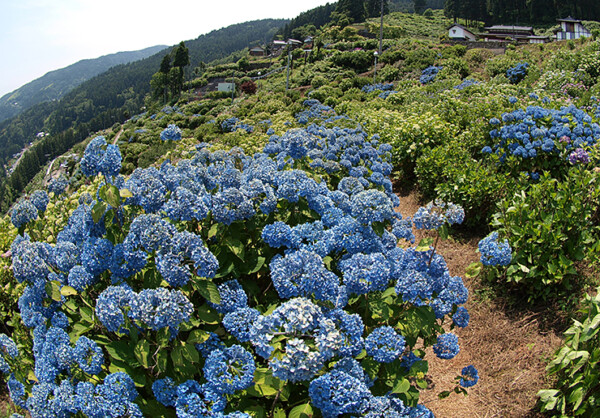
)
(510, 347)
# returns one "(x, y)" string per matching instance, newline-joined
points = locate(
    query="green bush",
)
(357, 60)
(550, 228)
(448, 172)
(576, 365)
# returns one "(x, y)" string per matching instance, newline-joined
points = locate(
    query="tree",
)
(355, 10)
(182, 56)
(374, 7)
(419, 6)
(165, 64)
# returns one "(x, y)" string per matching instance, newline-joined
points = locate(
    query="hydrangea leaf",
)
(424, 244)
(98, 211)
(208, 290)
(301, 411)
(68, 291)
(53, 290)
(142, 353)
(402, 386)
(473, 270)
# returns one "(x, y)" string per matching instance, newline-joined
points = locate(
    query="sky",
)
(37, 36)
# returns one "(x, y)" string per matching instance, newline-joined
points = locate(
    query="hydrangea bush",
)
(230, 285)
(538, 139)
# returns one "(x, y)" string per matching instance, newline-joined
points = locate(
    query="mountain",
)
(55, 84)
(108, 98)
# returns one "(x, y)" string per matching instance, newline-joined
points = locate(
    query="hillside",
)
(55, 84)
(111, 97)
(367, 241)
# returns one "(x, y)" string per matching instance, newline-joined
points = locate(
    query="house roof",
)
(505, 28)
(257, 48)
(569, 19)
(458, 25)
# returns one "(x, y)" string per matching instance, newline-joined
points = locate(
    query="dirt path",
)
(118, 135)
(509, 349)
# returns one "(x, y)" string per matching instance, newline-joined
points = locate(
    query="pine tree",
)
(355, 10)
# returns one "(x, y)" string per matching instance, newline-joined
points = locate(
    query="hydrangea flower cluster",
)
(58, 185)
(469, 376)
(429, 74)
(370, 88)
(100, 158)
(537, 132)
(23, 212)
(171, 133)
(435, 214)
(493, 252)
(233, 124)
(466, 83)
(174, 247)
(579, 156)
(518, 72)
(315, 111)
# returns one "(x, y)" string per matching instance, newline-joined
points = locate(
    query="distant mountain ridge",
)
(57, 83)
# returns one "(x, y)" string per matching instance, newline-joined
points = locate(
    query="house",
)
(459, 32)
(520, 34)
(308, 42)
(257, 51)
(508, 33)
(571, 29)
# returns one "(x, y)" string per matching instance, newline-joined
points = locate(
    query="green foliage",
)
(449, 173)
(356, 60)
(577, 367)
(550, 228)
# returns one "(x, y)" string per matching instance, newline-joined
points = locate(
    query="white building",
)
(571, 29)
(457, 31)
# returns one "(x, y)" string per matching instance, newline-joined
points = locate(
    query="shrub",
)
(357, 60)
(233, 283)
(550, 227)
(248, 87)
(517, 73)
(576, 365)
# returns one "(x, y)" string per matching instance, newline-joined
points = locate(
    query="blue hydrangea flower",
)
(165, 391)
(79, 278)
(384, 344)
(8, 348)
(469, 377)
(88, 355)
(364, 273)
(160, 308)
(58, 185)
(336, 393)
(446, 346)
(171, 133)
(23, 213)
(229, 370)
(40, 200)
(233, 297)
(461, 317)
(493, 252)
(239, 322)
(110, 306)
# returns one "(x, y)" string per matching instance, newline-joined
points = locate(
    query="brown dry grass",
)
(509, 346)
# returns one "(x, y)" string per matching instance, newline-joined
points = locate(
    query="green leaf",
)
(236, 247)
(401, 387)
(473, 270)
(198, 336)
(113, 196)
(255, 411)
(142, 353)
(162, 359)
(68, 291)
(207, 289)
(121, 350)
(279, 413)
(424, 244)
(444, 394)
(207, 315)
(124, 193)
(213, 230)
(301, 411)
(443, 231)
(53, 290)
(98, 211)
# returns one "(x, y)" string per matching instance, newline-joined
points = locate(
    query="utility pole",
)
(375, 68)
(232, 86)
(381, 29)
